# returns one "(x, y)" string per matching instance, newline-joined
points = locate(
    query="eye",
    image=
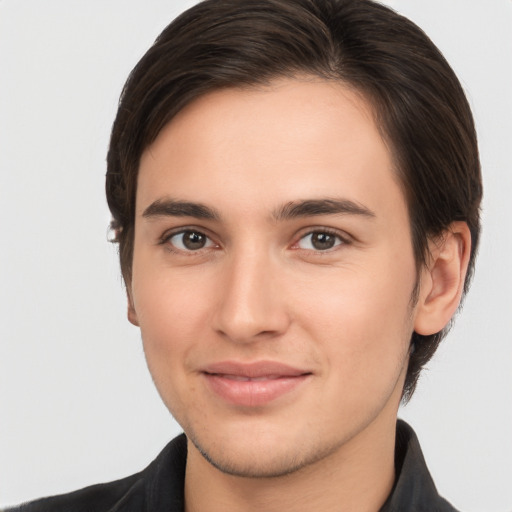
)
(319, 241)
(190, 240)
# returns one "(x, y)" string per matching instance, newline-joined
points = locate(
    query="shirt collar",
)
(414, 488)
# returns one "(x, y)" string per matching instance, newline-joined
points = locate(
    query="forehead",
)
(266, 145)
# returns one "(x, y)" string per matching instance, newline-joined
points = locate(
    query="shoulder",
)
(100, 498)
(414, 488)
(135, 492)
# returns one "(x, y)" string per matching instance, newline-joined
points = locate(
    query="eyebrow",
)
(292, 210)
(313, 207)
(176, 208)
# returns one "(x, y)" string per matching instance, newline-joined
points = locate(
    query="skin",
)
(260, 289)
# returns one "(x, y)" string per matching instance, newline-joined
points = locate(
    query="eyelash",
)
(166, 240)
(342, 240)
(166, 237)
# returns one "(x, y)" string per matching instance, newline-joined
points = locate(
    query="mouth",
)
(254, 384)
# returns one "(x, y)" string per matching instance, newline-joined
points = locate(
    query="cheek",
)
(362, 324)
(173, 315)
(172, 319)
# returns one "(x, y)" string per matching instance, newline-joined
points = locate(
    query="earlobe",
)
(443, 281)
(131, 313)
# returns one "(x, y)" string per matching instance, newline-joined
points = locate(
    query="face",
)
(272, 274)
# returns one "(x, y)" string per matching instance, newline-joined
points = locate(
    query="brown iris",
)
(322, 241)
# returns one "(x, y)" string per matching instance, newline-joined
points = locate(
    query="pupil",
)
(322, 241)
(193, 240)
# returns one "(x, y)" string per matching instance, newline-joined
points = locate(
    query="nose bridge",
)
(251, 304)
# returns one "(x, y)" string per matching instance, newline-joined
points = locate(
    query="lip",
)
(253, 384)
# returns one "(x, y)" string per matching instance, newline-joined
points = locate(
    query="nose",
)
(251, 303)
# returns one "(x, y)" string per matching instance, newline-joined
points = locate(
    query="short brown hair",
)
(419, 104)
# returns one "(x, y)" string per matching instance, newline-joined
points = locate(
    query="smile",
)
(251, 379)
(255, 384)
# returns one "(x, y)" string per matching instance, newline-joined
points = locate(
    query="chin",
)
(262, 455)
(267, 463)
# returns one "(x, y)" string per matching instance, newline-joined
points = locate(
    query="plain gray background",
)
(77, 405)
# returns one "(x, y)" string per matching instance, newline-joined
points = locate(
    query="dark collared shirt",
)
(159, 487)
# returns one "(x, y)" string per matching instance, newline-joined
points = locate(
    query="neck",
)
(357, 476)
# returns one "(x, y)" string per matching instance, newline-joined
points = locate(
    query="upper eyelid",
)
(164, 241)
(343, 235)
(169, 233)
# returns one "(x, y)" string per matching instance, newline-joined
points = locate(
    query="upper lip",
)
(254, 370)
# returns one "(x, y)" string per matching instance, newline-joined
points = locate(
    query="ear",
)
(442, 281)
(132, 314)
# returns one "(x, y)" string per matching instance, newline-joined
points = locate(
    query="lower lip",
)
(252, 393)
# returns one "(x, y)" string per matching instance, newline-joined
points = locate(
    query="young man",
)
(295, 191)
